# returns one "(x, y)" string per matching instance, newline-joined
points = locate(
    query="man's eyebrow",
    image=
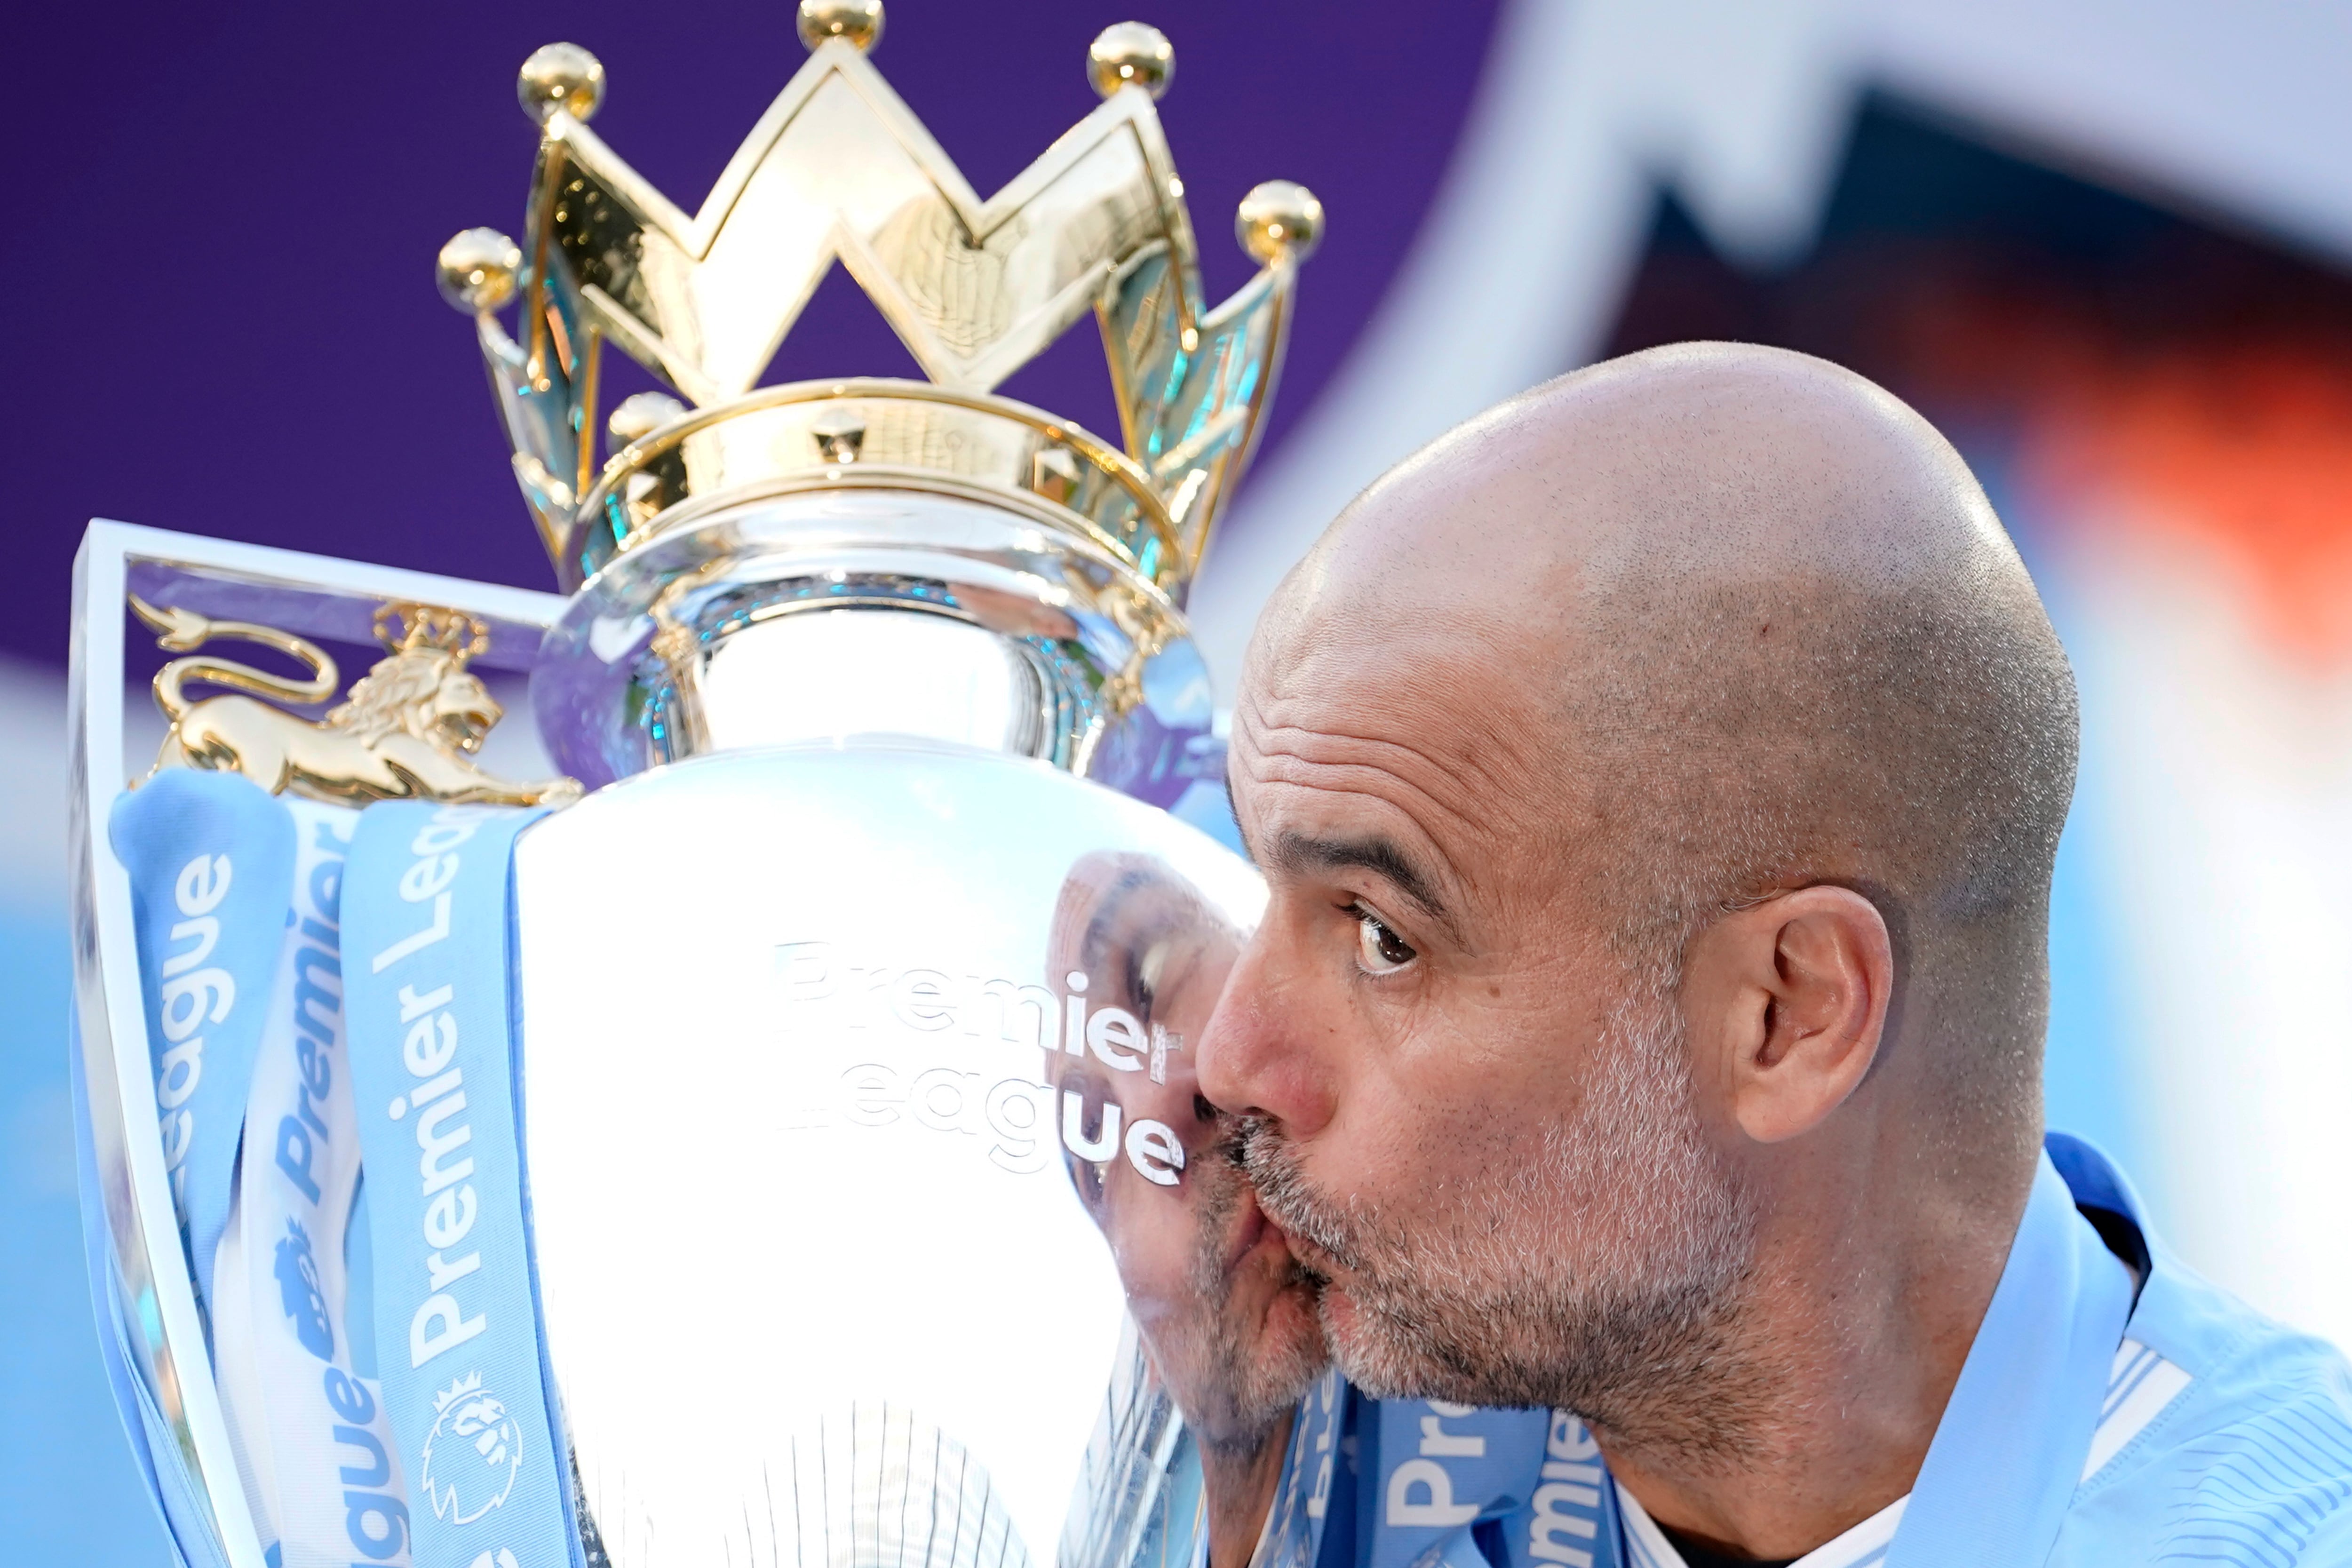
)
(1233, 808)
(1295, 852)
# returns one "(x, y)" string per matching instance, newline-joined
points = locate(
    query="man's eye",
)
(1086, 1176)
(1379, 949)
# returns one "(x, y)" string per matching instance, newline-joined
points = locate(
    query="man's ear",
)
(1785, 1002)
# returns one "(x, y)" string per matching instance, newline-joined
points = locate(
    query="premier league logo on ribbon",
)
(472, 1455)
(771, 1127)
(300, 1294)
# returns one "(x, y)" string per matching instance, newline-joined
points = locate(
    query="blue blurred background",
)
(2106, 245)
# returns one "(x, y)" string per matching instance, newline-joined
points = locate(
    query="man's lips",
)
(1253, 1231)
(1311, 1257)
(1314, 1257)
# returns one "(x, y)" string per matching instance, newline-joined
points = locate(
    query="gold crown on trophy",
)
(404, 627)
(839, 169)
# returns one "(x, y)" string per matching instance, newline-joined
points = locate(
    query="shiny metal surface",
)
(857, 21)
(408, 730)
(561, 76)
(829, 609)
(909, 432)
(479, 269)
(821, 1229)
(1131, 53)
(1279, 219)
(839, 169)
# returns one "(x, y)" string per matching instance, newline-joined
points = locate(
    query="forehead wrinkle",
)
(1449, 692)
(1359, 780)
(1475, 755)
(1330, 779)
(1270, 761)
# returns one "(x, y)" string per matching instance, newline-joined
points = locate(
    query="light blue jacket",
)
(2224, 1437)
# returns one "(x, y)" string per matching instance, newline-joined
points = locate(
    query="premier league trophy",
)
(773, 1141)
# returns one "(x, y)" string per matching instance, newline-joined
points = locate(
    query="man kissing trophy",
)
(671, 1162)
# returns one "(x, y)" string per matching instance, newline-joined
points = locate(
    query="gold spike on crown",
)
(839, 169)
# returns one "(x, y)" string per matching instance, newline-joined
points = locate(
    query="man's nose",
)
(1258, 1054)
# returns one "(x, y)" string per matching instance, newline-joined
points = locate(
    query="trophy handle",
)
(150, 1321)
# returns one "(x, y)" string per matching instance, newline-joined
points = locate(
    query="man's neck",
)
(1698, 1554)
(1238, 1487)
(1862, 1338)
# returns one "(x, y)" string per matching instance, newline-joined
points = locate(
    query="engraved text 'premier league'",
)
(774, 1140)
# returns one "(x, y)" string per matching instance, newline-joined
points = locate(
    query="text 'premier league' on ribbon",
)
(425, 921)
(211, 863)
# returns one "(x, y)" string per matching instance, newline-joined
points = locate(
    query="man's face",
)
(1474, 1114)
(1225, 1308)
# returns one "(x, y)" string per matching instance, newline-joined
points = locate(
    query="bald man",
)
(1658, 780)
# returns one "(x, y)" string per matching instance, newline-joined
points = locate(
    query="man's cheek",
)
(1388, 1137)
(1153, 1271)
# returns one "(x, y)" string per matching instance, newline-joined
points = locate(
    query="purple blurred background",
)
(221, 303)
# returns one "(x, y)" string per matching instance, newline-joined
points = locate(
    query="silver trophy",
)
(873, 1215)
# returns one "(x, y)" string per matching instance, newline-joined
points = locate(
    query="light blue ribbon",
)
(1467, 1487)
(426, 935)
(1293, 1537)
(210, 861)
(1442, 1467)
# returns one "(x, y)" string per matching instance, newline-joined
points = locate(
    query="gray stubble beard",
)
(1255, 1385)
(1639, 1337)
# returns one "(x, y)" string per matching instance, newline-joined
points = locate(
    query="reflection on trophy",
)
(685, 1176)
(1226, 1317)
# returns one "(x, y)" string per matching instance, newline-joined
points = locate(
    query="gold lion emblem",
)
(407, 730)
